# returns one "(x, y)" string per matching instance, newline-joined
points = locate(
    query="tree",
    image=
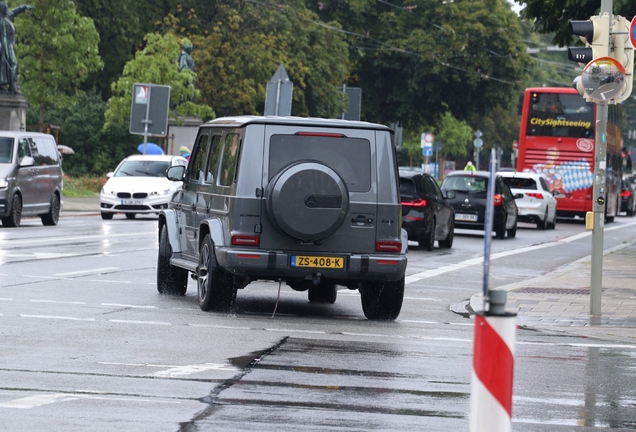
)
(157, 64)
(456, 136)
(56, 51)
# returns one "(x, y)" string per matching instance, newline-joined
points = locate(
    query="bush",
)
(82, 185)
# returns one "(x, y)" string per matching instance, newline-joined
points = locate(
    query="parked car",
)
(139, 185)
(426, 214)
(311, 202)
(31, 178)
(537, 204)
(628, 198)
(471, 192)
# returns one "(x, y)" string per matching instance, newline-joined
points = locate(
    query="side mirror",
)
(175, 173)
(27, 161)
(110, 174)
(556, 192)
(449, 195)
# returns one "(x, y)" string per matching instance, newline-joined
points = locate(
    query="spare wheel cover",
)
(308, 201)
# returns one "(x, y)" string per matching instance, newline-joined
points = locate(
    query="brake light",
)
(413, 218)
(625, 193)
(498, 200)
(536, 195)
(418, 203)
(320, 134)
(245, 240)
(388, 246)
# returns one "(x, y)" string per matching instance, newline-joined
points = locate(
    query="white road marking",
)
(6, 299)
(191, 369)
(371, 335)
(39, 400)
(422, 298)
(88, 237)
(141, 322)
(295, 331)
(219, 326)
(57, 302)
(58, 317)
(417, 322)
(129, 306)
(89, 271)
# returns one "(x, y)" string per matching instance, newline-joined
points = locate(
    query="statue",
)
(185, 60)
(8, 62)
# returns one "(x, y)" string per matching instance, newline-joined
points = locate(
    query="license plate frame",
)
(463, 217)
(132, 202)
(317, 261)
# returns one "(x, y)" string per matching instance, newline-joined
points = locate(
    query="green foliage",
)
(157, 64)
(456, 136)
(56, 50)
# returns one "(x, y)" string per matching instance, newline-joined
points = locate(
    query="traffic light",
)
(595, 33)
(623, 51)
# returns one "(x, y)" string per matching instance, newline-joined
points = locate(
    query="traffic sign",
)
(149, 111)
(427, 151)
(478, 142)
(632, 32)
(515, 144)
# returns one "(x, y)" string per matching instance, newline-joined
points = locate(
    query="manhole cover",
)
(537, 290)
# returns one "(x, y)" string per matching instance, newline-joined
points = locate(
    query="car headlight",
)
(4, 183)
(108, 192)
(160, 192)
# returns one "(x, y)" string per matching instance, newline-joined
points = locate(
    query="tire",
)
(130, 215)
(53, 216)
(427, 241)
(382, 301)
(552, 225)
(500, 231)
(541, 224)
(171, 280)
(323, 293)
(447, 243)
(512, 232)
(14, 218)
(215, 289)
(630, 209)
(107, 216)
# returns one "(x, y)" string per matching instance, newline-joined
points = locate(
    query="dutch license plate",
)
(132, 202)
(465, 217)
(317, 261)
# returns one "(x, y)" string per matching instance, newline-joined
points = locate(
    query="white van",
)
(31, 178)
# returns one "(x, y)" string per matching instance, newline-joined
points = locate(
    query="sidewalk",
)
(560, 300)
(74, 206)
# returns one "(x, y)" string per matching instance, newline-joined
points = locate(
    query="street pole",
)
(599, 195)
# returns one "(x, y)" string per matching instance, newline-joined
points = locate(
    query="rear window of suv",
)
(349, 157)
(520, 183)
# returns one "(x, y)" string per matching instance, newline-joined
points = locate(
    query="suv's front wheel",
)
(170, 279)
(215, 289)
(382, 301)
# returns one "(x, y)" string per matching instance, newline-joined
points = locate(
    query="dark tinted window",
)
(46, 151)
(230, 157)
(565, 115)
(24, 149)
(215, 157)
(197, 163)
(349, 157)
(407, 187)
(430, 186)
(6, 150)
(520, 183)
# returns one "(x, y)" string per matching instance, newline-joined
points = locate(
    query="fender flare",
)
(216, 229)
(169, 219)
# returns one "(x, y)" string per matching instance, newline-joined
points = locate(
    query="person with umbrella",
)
(185, 152)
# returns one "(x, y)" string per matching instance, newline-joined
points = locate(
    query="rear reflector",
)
(390, 262)
(418, 203)
(388, 246)
(249, 256)
(413, 218)
(246, 240)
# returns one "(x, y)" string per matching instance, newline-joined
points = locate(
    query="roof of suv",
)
(239, 121)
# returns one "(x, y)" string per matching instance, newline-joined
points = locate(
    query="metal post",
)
(146, 122)
(277, 96)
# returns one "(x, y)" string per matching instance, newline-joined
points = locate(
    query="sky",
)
(516, 6)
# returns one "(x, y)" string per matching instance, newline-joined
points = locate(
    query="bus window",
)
(560, 115)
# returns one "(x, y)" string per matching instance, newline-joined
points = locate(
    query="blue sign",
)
(427, 151)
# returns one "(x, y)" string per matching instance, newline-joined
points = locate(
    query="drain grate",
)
(536, 290)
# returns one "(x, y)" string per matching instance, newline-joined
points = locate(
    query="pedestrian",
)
(469, 166)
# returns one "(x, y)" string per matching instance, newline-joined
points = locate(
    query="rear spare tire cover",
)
(308, 201)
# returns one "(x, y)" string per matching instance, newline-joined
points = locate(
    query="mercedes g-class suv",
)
(311, 202)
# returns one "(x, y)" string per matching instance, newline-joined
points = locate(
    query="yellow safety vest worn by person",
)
(469, 166)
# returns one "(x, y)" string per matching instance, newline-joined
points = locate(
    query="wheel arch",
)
(168, 218)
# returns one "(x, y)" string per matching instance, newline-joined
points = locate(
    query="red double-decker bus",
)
(557, 139)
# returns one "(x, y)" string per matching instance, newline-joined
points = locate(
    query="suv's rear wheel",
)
(170, 279)
(215, 289)
(14, 218)
(53, 216)
(382, 301)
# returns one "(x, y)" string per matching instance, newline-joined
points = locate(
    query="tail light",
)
(245, 240)
(536, 195)
(388, 246)
(498, 200)
(418, 203)
(625, 193)
(413, 218)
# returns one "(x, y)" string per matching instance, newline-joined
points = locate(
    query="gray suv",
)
(311, 202)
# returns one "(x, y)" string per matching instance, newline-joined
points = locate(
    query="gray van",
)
(31, 178)
(312, 203)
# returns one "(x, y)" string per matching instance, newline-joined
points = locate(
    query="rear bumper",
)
(274, 264)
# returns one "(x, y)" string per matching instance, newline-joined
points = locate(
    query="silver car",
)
(538, 204)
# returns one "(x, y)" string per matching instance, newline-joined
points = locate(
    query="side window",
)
(23, 149)
(35, 153)
(215, 157)
(47, 151)
(436, 189)
(504, 189)
(197, 163)
(544, 185)
(230, 157)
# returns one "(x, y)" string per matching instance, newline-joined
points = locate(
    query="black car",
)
(628, 198)
(426, 214)
(470, 190)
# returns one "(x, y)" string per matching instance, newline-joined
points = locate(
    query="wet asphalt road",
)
(88, 344)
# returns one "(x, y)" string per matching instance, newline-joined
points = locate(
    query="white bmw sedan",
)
(139, 185)
(538, 204)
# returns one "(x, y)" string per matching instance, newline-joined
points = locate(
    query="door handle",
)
(361, 219)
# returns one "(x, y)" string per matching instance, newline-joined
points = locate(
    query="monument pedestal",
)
(12, 112)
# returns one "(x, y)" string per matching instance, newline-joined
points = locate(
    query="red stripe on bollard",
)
(493, 363)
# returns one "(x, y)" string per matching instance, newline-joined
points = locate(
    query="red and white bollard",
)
(493, 368)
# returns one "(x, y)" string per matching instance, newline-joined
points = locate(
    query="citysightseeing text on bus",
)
(557, 122)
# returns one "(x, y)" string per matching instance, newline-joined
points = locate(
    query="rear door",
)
(441, 208)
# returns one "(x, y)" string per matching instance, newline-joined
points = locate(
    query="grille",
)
(132, 207)
(139, 195)
(123, 194)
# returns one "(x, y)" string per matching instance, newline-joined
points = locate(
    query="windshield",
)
(138, 168)
(6, 150)
(466, 184)
(560, 115)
